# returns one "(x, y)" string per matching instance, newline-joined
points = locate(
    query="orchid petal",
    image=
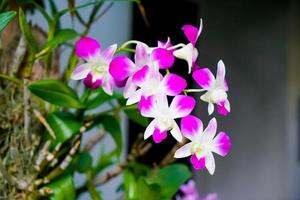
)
(191, 33)
(164, 57)
(210, 131)
(222, 144)
(210, 163)
(80, 72)
(184, 151)
(150, 129)
(108, 85)
(121, 67)
(146, 106)
(87, 47)
(221, 71)
(223, 108)
(134, 98)
(191, 127)
(210, 108)
(141, 55)
(198, 163)
(159, 136)
(129, 88)
(140, 76)
(175, 132)
(108, 53)
(174, 84)
(182, 106)
(204, 78)
(186, 53)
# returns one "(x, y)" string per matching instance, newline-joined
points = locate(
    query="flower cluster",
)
(148, 82)
(190, 192)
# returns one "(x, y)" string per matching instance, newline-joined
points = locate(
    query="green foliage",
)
(97, 98)
(83, 162)
(5, 18)
(135, 116)
(112, 125)
(26, 30)
(63, 188)
(64, 126)
(56, 92)
(156, 184)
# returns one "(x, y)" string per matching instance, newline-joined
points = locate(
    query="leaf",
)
(63, 188)
(60, 37)
(56, 92)
(135, 116)
(97, 98)
(112, 125)
(147, 191)
(106, 159)
(26, 30)
(129, 184)
(64, 126)
(170, 178)
(5, 18)
(83, 162)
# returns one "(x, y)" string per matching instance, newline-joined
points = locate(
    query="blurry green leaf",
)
(5, 18)
(105, 160)
(170, 178)
(42, 11)
(83, 162)
(112, 125)
(97, 98)
(64, 126)
(147, 191)
(136, 116)
(26, 30)
(60, 37)
(63, 188)
(56, 92)
(129, 184)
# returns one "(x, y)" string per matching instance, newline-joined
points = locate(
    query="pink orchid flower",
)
(95, 70)
(203, 143)
(189, 52)
(165, 115)
(216, 88)
(152, 83)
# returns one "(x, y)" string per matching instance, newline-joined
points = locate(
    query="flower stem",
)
(194, 90)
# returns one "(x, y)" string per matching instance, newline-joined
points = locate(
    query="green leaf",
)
(5, 18)
(63, 188)
(97, 98)
(112, 125)
(83, 162)
(136, 116)
(105, 160)
(147, 191)
(26, 30)
(129, 184)
(56, 92)
(60, 37)
(170, 178)
(64, 126)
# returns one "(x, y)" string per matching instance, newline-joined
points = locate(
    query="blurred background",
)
(259, 42)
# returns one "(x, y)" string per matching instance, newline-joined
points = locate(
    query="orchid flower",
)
(152, 83)
(189, 52)
(203, 143)
(190, 192)
(95, 71)
(165, 115)
(216, 88)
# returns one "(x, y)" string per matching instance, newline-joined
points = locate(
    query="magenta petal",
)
(174, 84)
(121, 67)
(182, 106)
(87, 47)
(88, 82)
(204, 78)
(223, 108)
(191, 33)
(140, 76)
(191, 126)
(164, 57)
(159, 136)
(141, 55)
(120, 84)
(222, 144)
(145, 105)
(197, 163)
